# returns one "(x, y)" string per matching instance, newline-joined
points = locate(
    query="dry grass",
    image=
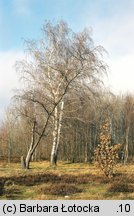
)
(65, 181)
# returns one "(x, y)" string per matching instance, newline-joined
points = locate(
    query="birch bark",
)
(30, 151)
(57, 132)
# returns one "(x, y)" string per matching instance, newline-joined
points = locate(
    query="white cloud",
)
(116, 34)
(8, 77)
(121, 76)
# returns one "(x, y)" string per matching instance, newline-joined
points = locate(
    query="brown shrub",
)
(119, 186)
(60, 189)
(1, 187)
(8, 183)
(106, 155)
(36, 179)
(11, 190)
(130, 179)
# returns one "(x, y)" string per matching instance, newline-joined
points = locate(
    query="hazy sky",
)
(112, 23)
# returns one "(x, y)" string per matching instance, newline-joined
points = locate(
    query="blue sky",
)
(22, 19)
(112, 23)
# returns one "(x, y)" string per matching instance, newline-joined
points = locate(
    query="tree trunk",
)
(59, 131)
(86, 145)
(23, 164)
(30, 151)
(126, 146)
(9, 151)
(28, 159)
(54, 136)
(56, 133)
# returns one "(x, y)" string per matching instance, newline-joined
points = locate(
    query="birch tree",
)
(54, 65)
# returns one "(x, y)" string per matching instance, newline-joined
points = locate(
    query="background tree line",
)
(58, 112)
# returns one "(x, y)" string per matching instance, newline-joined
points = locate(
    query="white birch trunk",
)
(86, 145)
(59, 125)
(54, 135)
(126, 146)
(56, 132)
(30, 151)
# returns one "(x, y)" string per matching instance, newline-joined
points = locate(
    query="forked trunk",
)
(26, 162)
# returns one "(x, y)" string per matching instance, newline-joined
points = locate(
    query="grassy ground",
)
(66, 181)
